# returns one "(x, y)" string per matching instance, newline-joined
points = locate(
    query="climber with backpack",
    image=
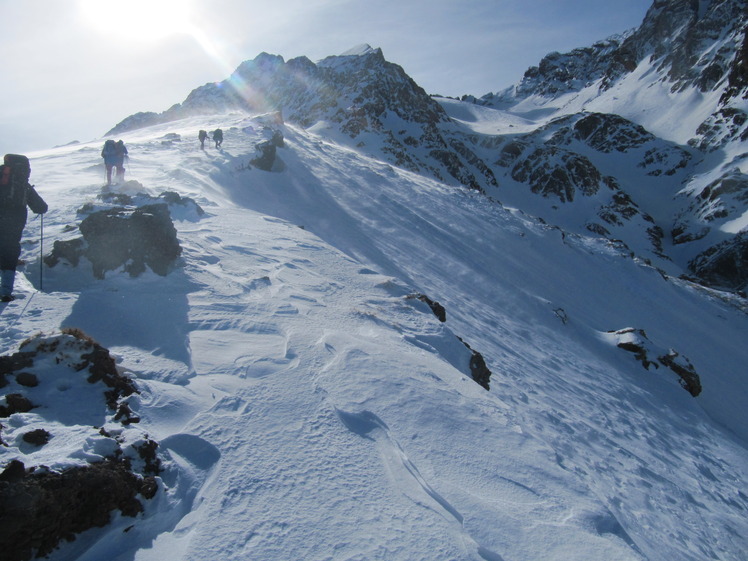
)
(202, 137)
(120, 151)
(16, 194)
(218, 137)
(109, 153)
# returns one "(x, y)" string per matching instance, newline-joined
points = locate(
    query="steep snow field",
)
(641, 96)
(308, 409)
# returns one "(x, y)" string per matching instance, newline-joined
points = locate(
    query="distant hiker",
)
(119, 163)
(203, 136)
(15, 195)
(218, 137)
(109, 153)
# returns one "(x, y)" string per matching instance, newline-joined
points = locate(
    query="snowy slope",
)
(681, 75)
(306, 408)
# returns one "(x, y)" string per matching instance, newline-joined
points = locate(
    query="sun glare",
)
(141, 20)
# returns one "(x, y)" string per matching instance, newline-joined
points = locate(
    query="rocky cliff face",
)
(371, 101)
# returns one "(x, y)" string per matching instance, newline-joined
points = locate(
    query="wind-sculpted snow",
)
(308, 406)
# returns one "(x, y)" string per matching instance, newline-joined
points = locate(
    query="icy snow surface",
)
(308, 409)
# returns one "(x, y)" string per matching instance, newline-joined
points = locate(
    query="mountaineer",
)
(15, 195)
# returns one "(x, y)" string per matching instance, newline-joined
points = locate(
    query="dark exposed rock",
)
(478, 368)
(474, 162)
(16, 361)
(560, 73)
(607, 133)
(144, 236)
(67, 250)
(664, 160)
(733, 184)
(738, 77)
(436, 307)
(40, 509)
(724, 265)
(598, 229)
(113, 198)
(725, 197)
(27, 379)
(127, 238)
(102, 368)
(636, 341)
(510, 152)
(14, 471)
(681, 233)
(38, 437)
(266, 157)
(95, 358)
(724, 125)
(174, 198)
(147, 452)
(557, 172)
(15, 403)
(266, 150)
(689, 378)
(455, 168)
(277, 139)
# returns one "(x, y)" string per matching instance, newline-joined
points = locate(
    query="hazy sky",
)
(72, 69)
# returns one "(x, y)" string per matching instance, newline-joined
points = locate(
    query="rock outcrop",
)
(43, 506)
(636, 341)
(129, 237)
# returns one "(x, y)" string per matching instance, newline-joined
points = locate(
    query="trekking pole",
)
(41, 254)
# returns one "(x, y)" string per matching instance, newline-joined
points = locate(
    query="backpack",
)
(14, 180)
(110, 148)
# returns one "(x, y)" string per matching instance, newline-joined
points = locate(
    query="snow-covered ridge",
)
(307, 403)
(307, 406)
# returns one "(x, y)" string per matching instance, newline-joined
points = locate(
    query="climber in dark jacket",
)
(16, 194)
(218, 137)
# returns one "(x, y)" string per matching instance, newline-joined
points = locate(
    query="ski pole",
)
(41, 255)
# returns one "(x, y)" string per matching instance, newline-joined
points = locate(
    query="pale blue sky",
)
(66, 77)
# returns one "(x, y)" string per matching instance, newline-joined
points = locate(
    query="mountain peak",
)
(361, 50)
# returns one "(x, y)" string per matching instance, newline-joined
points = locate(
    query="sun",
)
(141, 20)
